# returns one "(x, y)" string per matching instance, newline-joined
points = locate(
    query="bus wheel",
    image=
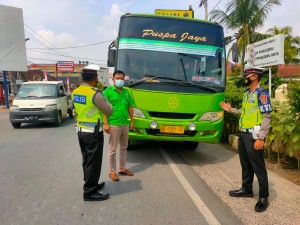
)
(16, 125)
(190, 145)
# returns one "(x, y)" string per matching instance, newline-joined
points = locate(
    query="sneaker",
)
(114, 176)
(125, 172)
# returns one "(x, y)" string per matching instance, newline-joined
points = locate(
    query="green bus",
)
(175, 71)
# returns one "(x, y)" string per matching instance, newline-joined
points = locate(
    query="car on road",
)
(41, 101)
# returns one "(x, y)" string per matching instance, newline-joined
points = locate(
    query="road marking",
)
(210, 218)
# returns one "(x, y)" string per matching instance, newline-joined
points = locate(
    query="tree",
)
(291, 44)
(246, 16)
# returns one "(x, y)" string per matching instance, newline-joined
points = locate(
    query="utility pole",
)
(204, 2)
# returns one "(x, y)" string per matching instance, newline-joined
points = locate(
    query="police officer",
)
(90, 105)
(254, 117)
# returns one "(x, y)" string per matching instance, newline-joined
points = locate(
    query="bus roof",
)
(171, 18)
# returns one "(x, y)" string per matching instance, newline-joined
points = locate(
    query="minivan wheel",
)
(16, 125)
(58, 119)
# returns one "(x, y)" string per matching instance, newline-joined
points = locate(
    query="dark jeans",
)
(91, 150)
(252, 162)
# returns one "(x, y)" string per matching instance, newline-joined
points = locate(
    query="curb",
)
(233, 141)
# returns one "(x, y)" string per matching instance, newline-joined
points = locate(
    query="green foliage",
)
(236, 72)
(284, 134)
(99, 85)
(244, 16)
(294, 95)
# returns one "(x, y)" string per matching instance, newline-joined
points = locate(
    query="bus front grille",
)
(171, 115)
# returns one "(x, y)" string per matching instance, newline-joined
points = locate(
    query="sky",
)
(65, 26)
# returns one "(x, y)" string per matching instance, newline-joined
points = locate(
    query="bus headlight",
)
(138, 113)
(212, 116)
(153, 124)
(15, 108)
(50, 107)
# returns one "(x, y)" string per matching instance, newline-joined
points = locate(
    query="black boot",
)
(243, 192)
(261, 205)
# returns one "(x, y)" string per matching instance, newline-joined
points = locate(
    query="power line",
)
(79, 46)
(33, 50)
(214, 7)
(47, 42)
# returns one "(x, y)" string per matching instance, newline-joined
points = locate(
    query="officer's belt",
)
(87, 130)
(250, 130)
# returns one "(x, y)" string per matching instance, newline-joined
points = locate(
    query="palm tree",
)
(246, 16)
(291, 44)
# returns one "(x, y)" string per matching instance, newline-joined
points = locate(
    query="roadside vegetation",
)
(245, 17)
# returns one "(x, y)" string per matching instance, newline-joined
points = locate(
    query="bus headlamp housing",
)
(212, 116)
(138, 113)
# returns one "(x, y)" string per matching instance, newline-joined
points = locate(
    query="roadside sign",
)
(179, 13)
(265, 53)
(65, 66)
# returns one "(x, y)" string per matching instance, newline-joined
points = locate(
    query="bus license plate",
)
(172, 129)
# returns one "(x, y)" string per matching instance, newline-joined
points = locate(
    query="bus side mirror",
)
(111, 57)
(235, 55)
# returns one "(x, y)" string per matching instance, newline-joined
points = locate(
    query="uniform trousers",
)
(92, 150)
(118, 135)
(252, 162)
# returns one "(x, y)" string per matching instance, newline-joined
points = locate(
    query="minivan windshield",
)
(37, 91)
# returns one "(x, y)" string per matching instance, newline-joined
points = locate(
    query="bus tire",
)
(190, 145)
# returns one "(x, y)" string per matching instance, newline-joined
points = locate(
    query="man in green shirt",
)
(117, 125)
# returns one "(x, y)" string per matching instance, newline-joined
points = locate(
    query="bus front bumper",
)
(205, 131)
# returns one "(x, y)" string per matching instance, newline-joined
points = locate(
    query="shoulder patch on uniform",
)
(263, 99)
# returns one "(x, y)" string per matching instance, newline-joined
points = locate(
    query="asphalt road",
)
(41, 183)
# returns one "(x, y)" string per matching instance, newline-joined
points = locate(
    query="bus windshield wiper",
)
(152, 77)
(184, 83)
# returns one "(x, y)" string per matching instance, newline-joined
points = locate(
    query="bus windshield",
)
(191, 52)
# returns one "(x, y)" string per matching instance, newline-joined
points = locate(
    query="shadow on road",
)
(42, 125)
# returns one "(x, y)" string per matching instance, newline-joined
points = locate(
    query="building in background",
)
(38, 72)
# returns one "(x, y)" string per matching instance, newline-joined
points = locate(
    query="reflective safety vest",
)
(251, 114)
(88, 112)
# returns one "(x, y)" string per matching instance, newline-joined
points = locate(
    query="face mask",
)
(119, 83)
(245, 81)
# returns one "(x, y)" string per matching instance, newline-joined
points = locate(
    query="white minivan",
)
(40, 101)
